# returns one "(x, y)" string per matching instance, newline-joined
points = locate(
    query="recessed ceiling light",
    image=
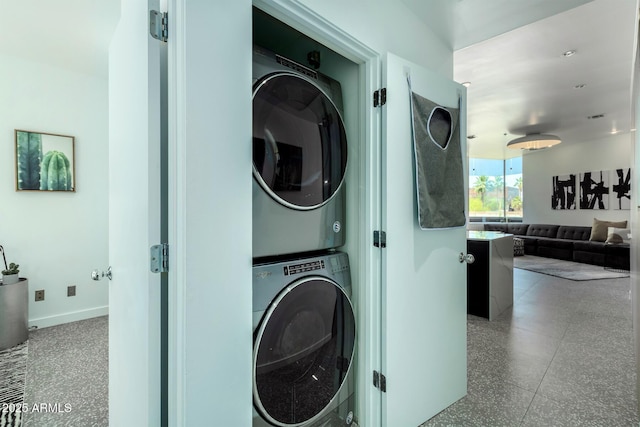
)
(569, 53)
(466, 84)
(580, 86)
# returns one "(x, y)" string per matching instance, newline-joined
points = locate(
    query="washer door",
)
(299, 141)
(303, 350)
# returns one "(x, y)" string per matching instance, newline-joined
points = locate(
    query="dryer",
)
(304, 342)
(299, 158)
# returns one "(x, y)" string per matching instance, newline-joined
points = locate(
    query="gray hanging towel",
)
(439, 167)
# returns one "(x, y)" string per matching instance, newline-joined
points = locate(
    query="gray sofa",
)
(571, 243)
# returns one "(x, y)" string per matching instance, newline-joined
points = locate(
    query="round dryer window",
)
(299, 141)
(303, 351)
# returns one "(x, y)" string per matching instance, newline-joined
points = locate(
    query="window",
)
(495, 190)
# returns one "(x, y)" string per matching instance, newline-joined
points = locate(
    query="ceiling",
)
(462, 23)
(511, 51)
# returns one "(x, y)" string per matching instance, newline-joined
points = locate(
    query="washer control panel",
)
(304, 267)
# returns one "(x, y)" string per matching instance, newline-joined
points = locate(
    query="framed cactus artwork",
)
(44, 162)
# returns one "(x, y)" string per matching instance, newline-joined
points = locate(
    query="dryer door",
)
(303, 351)
(299, 141)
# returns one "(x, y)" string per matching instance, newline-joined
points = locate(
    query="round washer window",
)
(302, 351)
(299, 141)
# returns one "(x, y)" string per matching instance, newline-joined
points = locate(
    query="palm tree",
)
(481, 186)
(499, 183)
(498, 187)
(519, 185)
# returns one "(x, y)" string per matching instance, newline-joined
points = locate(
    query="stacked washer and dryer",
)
(303, 320)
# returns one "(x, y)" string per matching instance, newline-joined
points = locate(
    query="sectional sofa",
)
(589, 245)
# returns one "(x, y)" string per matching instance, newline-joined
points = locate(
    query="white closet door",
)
(134, 219)
(423, 282)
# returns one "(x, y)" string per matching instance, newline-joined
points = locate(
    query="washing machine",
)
(304, 343)
(299, 158)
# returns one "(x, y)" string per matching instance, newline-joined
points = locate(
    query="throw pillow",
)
(618, 235)
(600, 228)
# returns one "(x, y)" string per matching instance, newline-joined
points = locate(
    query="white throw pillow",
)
(618, 235)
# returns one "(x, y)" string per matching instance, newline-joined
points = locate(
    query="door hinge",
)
(379, 239)
(158, 25)
(159, 258)
(380, 381)
(380, 97)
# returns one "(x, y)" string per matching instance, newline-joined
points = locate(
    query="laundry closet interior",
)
(307, 223)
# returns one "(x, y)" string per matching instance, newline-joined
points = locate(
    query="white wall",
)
(540, 166)
(57, 238)
(388, 26)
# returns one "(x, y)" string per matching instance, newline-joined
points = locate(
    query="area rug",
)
(565, 269)
(13, 372)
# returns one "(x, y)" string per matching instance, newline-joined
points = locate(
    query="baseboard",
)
(45, 322)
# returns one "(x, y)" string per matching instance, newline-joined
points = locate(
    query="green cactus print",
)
(29, 156)
(55, 173)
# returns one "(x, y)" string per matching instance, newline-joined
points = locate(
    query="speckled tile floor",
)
(562, 356)
(67, 375)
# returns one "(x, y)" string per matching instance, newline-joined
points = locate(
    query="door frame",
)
(635, 203)
(176, 400)
(307, 21)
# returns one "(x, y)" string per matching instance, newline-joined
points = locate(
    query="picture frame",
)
(44, 161)
(563, 192)
(594, 190)
(621, 189)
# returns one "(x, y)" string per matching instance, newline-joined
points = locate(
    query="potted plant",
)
(10, 274)
(14, 306)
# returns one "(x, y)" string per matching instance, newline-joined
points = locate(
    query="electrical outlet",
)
(71, 291)
(40, 295)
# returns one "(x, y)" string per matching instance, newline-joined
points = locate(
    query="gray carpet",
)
(68, 370)
(59, 377)
(566, 269)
